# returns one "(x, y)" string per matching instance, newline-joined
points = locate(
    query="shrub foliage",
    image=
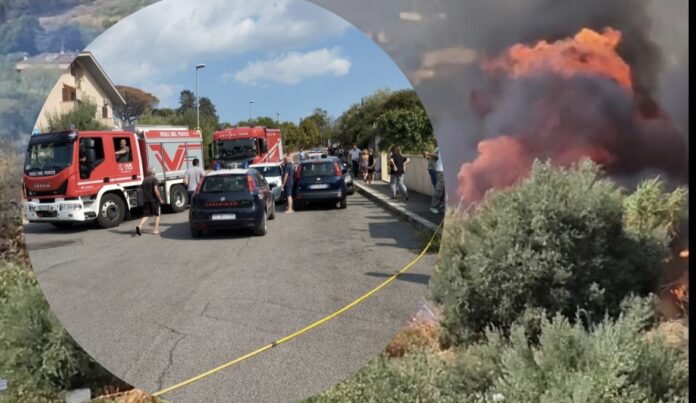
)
(37, 356)
(613, 362)
(556, 242)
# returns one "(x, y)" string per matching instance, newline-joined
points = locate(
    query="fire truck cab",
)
(242, 146)
(77, 176)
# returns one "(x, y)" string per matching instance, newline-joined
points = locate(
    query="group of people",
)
(363, 162)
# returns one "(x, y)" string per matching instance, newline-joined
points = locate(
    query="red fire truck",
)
(243, 146)
(76, 176)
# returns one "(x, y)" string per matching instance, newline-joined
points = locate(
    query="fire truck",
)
(242, 146)
(76, 176)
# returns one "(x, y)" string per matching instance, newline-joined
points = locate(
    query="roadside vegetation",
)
(38, 357)
(547, 295)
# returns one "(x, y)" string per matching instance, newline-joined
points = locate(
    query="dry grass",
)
(675, 333)
(12, 247)
(131, 396)
(97, 14)
(418, 335)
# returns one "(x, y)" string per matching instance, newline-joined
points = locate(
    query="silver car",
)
(273, 173)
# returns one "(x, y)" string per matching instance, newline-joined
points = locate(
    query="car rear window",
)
(319, 169)
(224, 184)
(269, 171)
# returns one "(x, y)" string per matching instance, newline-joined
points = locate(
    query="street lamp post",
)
(198, 101)
(250, 103)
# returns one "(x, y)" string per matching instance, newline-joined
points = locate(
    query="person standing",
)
(192, 177)
(432, 163)
(301, 155)
(370, 166)
(398, 168)
(152, 199)
(288, 181)
(354, 158)
(437, 203)
(364, 157)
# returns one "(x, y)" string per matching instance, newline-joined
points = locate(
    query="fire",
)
(588, 52)
(564, 101)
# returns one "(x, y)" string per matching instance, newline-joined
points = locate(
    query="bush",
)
(614, 362)
(556, 242)
(418, 377)
(83, 116)
(37, 356)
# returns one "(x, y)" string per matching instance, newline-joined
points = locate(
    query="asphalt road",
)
(156, 310)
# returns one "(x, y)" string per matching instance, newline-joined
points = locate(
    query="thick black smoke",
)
(654, 43)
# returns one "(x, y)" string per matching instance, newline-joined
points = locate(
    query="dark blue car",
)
(320, 180)
(232, 199)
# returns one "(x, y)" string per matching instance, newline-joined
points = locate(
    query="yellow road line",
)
(303, 330)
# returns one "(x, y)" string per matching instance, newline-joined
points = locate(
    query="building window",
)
(105, 111)
(69, 93)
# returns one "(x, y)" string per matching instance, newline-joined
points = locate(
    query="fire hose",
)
(306, 328)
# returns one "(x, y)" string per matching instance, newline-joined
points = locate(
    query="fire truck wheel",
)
(178, 197)
(262, 228)
(111, 212)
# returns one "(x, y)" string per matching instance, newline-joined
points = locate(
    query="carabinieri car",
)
(232, 199)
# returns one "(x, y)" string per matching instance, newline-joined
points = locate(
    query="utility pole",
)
(198, 101)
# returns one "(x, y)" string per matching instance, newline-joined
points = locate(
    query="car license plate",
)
(224, 217)
(43, 208)
(322, 186)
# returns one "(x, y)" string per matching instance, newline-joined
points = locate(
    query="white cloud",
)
(174, 35)
(293, 67)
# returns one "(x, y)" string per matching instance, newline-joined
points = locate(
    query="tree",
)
(208, 109)
(187, 100)
(137, 101)
(83, 116)
(19, 35)
(293, 137)
(409, 128)
(264, 121)
(311, 133)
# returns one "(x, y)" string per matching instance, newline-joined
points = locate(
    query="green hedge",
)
(557, 242)
(615, 362)
(37, 356)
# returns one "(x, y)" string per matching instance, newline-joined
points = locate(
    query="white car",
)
(273, 172)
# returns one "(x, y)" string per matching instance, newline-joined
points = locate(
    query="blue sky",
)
(289, 56)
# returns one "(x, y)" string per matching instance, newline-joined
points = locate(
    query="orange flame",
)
(552, 116)
(588, 52)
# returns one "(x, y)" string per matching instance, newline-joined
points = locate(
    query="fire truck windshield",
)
(236, 149)
(47, 158)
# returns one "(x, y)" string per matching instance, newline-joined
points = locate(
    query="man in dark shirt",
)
(288, 182)
(152, 200)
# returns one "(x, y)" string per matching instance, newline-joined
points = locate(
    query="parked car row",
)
(246, 198)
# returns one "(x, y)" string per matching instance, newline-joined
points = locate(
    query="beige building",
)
(82, 80)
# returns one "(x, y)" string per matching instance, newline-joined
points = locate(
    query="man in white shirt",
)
(355, 158)
(192, 177)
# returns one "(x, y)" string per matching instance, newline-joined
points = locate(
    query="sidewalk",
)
(415, 210)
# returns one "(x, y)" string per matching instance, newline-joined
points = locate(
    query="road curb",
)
(400, 211)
